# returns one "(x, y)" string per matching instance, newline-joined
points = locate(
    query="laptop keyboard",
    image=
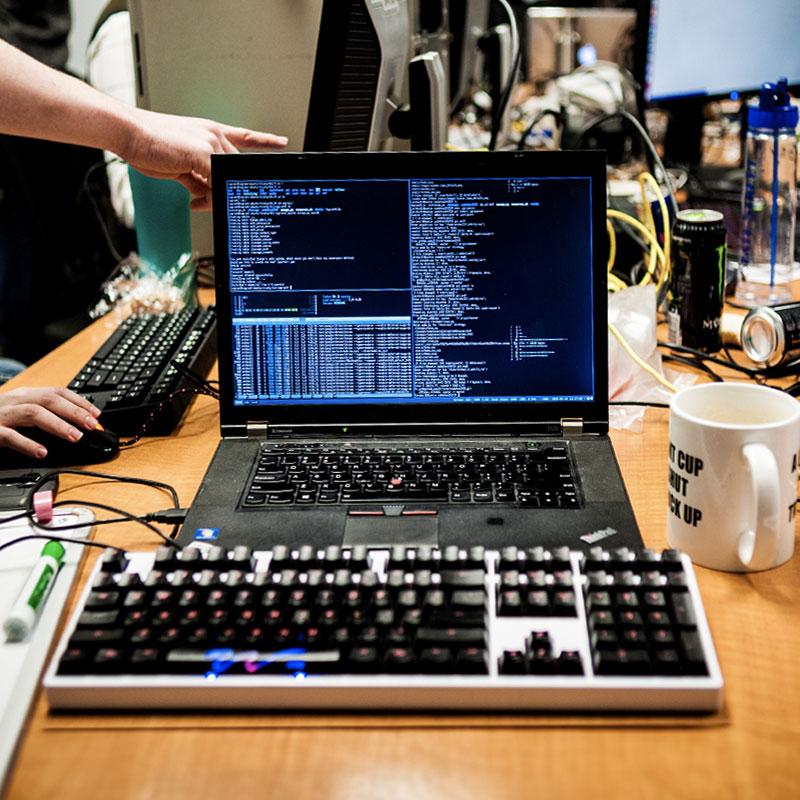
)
(529, 475)
(402, 627)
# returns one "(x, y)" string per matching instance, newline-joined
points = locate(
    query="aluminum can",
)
(697, 283)
(771, 334)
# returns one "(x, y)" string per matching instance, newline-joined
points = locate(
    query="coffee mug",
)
(733, 452)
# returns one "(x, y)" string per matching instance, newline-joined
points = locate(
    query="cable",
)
(125, 515)
(753, 373)
(641, 362)
(694, 363)
(646, 178)
(631, 120)
(557, 115)
(629, 220)
(197, 380)
(150, 418)
(612, 245)
(638, 403)
(98, 214)
(53, 537)
(497, 114)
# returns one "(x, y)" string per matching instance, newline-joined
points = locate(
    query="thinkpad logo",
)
(598, 536)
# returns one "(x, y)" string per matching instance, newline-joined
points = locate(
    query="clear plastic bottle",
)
(769, 199)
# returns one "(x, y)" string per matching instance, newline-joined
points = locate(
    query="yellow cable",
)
(644, 179)
(633, 222)
(612, 245)
(641, 362)
(650, 223)
(615, 283)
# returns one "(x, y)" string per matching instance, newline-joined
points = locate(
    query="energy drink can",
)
(697, 285)
(771, 335)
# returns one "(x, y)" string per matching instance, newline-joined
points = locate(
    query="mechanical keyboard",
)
(132, 376)
(537, 476)
(401, 628)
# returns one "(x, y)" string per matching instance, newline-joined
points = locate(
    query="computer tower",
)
(325, 73)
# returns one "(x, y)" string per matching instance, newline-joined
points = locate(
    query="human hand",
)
(56, 410)
(179, 148)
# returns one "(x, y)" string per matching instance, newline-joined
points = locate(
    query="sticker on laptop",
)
(206, 534)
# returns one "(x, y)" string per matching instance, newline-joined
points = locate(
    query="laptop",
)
(412, 351)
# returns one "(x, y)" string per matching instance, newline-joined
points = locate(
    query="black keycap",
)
(622, 661)
(450, 636)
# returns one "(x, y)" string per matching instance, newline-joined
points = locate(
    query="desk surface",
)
(752, 750)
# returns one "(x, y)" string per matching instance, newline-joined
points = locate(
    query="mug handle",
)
(758, 546)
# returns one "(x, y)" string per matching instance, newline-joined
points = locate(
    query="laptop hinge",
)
(256, 430)
(571, 426)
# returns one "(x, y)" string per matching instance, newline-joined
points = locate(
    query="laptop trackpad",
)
(387, 531)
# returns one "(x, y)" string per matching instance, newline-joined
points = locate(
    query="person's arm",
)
(42, 103)
(58, 411)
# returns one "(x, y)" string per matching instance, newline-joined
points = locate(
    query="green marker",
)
(34, 593)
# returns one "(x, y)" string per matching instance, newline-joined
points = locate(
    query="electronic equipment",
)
(94, 447)
(690, 51)
(539, 477)
(469, 20)
(16, 485)
(142, 374)
(405, 302)
(403, 628)
(325, 73)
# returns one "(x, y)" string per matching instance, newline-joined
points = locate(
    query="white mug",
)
(733, 453)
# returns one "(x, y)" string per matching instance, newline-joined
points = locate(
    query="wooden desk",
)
(751, 751)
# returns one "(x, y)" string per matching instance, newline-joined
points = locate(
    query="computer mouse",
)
(93, 447)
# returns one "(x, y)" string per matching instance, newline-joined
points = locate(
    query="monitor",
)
(325, 73)
(468, 21)
(712, 48)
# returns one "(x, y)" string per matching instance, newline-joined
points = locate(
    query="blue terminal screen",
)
(418, 290)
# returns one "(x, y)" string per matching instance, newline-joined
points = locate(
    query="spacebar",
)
(392, 497)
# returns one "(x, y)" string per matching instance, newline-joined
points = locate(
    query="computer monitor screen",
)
(411, 290)
(718, 47)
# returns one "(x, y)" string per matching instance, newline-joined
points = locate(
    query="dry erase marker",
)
(34, 593)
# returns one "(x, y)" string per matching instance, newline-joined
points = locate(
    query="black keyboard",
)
(132, 375)
(535, 476)
(407, 627)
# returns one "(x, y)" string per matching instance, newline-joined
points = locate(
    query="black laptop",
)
(412, 351)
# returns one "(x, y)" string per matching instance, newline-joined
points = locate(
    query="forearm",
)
(42, 103)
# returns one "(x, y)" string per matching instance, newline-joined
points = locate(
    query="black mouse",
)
(93, 447)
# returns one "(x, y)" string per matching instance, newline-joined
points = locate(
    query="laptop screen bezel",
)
(362, 416)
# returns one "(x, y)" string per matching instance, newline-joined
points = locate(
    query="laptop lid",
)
(397, 293)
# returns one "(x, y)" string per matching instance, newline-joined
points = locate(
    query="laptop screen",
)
(439, 289)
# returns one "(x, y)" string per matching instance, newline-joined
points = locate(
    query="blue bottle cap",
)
(774, 109)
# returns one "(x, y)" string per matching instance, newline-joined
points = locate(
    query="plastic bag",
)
(633, 312)
(137, 288)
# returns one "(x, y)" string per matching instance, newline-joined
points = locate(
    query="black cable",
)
(638, 403)
(497, 113)
(98, 214)
(166, 487)
(104, 507)
(752, 373)
(557, 115)
(48, 538)
(126, 516)
(695, 363)
(197, 380)
(653, 161)
(4, 520)
(150, 418)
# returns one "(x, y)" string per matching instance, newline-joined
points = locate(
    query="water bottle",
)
(769, 199)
